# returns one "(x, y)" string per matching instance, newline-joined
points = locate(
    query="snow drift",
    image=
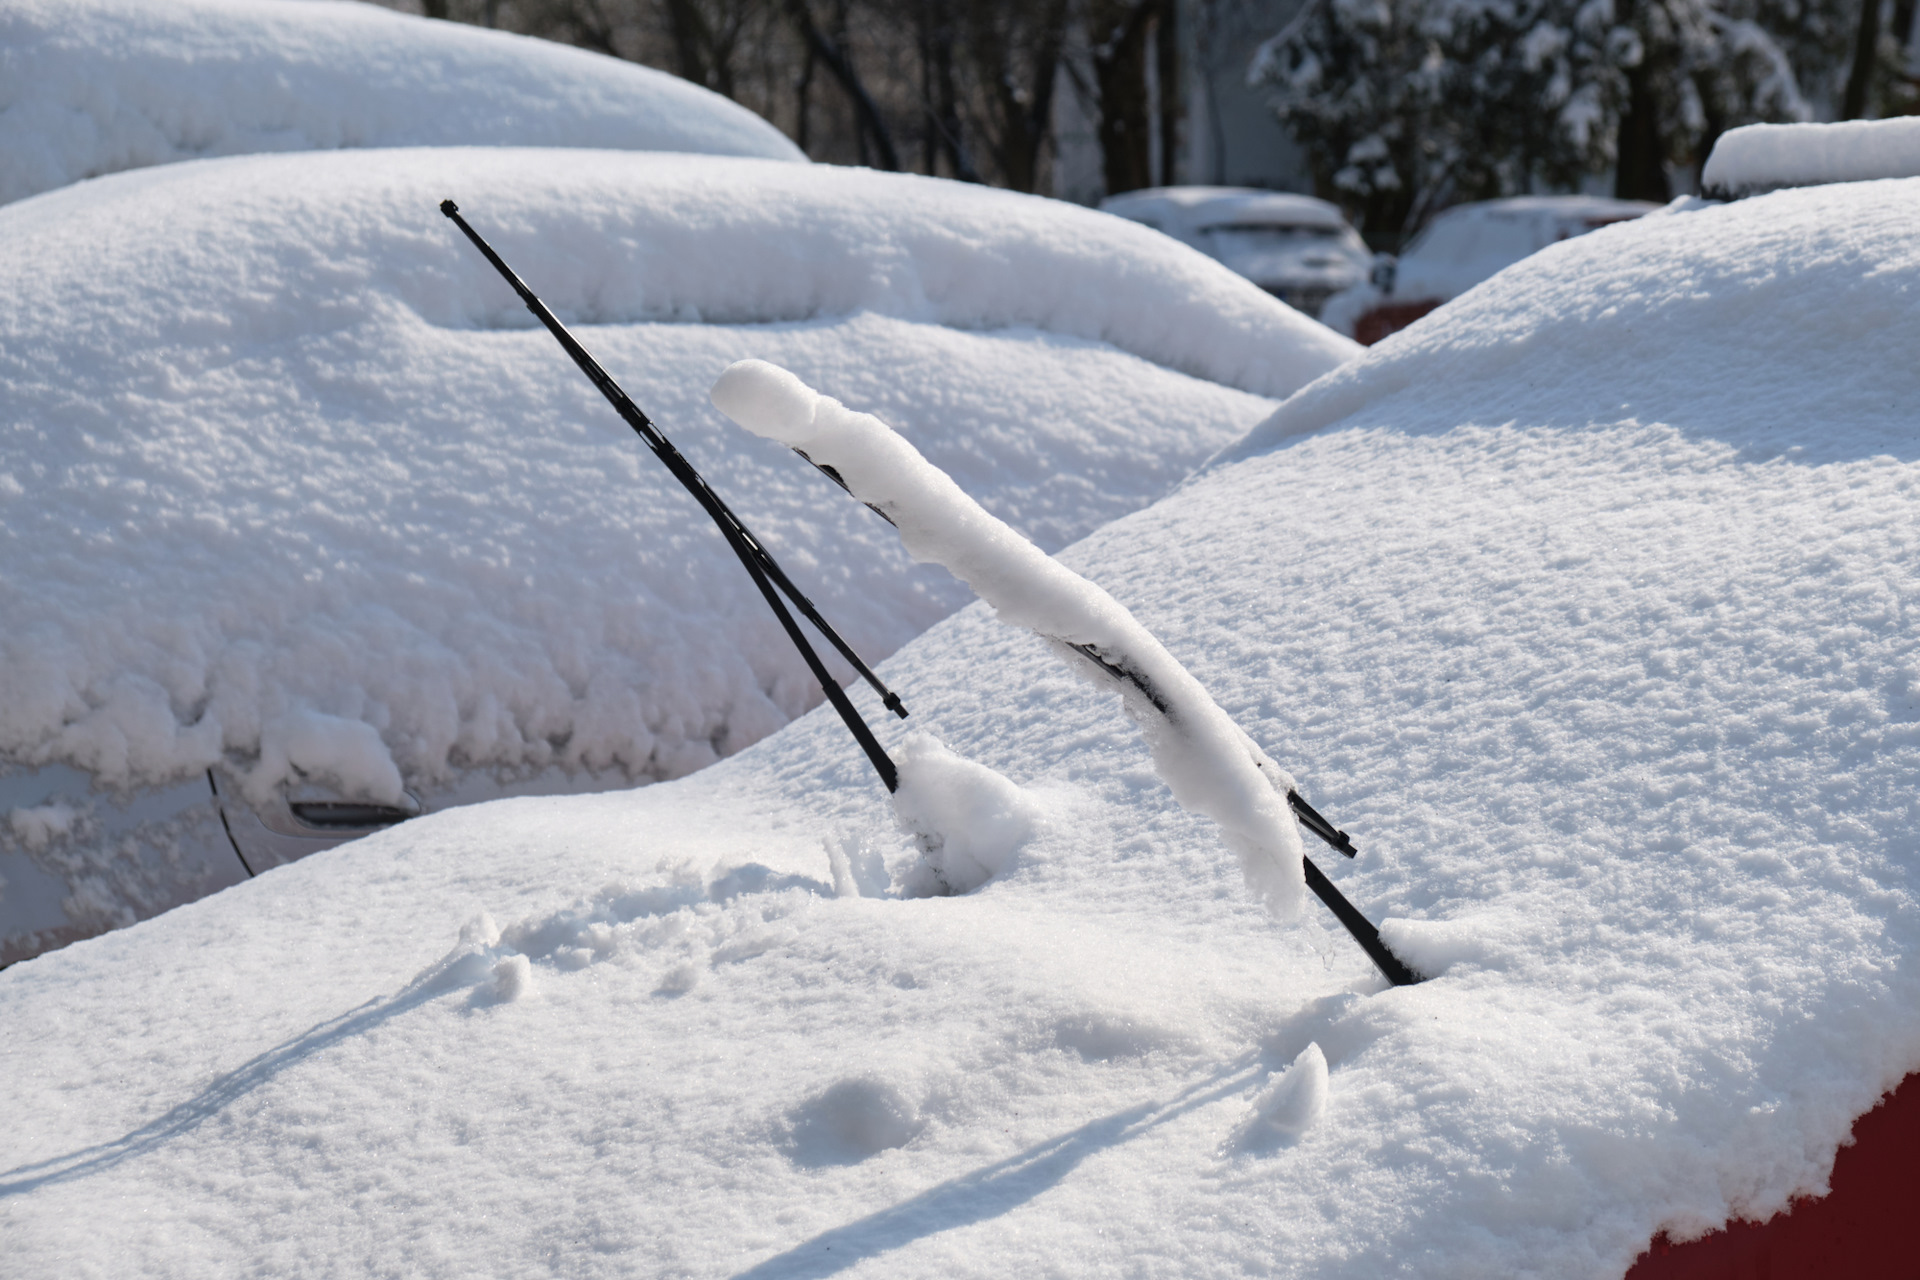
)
(1589, 615)
(90, 87)
(289, 480)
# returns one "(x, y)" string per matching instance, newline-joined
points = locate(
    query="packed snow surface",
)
(1763, 157)
(1206, 759)
(292, 484)
(1590, 615)
(89, 87)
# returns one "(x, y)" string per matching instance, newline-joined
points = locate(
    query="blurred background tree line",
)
(1395, 108)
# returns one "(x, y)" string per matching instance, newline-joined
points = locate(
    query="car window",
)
(1273, 232)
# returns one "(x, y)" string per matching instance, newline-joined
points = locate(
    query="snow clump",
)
(1291, 1104)
(967, 820)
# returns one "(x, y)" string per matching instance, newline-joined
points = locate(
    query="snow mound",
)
(90, 87)
(1764, 157)
(284, 454)
(850, 1121)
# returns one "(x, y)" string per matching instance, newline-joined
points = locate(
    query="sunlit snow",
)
(1588, 613)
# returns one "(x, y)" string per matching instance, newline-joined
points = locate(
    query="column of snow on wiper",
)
(1208, 761)
(1211, 765)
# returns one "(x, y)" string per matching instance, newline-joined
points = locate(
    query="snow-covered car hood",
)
(1475, 242)
(1587, 615)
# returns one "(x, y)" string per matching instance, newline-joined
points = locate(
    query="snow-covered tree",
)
(1406, 106)
(1359, 85)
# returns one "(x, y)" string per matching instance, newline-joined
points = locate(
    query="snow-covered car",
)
(308, 528)
(1461, 247)
(1588, 614)
(99, 86)
(1299, 249)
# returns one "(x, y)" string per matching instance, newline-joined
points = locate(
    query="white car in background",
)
(1299, 249)
(1461, 247)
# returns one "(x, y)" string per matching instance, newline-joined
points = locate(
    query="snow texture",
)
(1765, 157)
(90, 87)
(1589, 613)
(291, 484)
(1210, 763)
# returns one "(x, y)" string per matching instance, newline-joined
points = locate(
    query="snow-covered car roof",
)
(1586, 614)
(293, 489)
(1202, 207)
(98, 86)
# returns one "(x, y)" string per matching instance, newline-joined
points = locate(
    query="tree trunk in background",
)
(1167, 52)
(802, 100)
(434, 8)
(873, 129)
(589, 26)
(939, 97)
(691, 40)
(952, 140)
(925, 31)
(1120, 82)
(1640, 150)
(1640, 173)
(1866, 50)
(1014, 50)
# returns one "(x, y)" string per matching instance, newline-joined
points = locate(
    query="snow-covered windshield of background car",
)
(1267, 235)
(1265, 251)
